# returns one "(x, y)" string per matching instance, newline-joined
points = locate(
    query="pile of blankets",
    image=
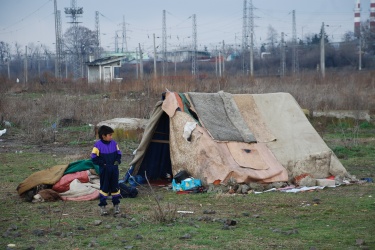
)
(77, 181)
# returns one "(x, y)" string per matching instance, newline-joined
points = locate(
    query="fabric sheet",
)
(47, 176)
(63, 184)
(209, 160)
(253, 118)
(299, 147)
(79, 191)
(221, 117)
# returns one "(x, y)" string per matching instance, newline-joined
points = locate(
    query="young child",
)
(107, 155)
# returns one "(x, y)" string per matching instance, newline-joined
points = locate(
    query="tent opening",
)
(156, 163)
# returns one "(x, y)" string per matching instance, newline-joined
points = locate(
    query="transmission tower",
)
(73, 12)
(116, 42)
(164, 44)
(295, 63)
(58, 41)
(251, 33)
(194, 67)
(124, 47)
(97, 35)
(244, 36)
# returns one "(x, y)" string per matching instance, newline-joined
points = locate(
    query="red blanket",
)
(63, 184)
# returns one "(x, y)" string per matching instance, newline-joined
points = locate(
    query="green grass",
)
(271, 220)
(287, 221)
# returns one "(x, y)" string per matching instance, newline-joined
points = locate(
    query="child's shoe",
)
(103, 211)
(117, 209)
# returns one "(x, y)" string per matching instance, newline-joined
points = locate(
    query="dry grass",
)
(36, 108)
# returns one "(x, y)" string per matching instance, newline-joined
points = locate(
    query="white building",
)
(104, 69)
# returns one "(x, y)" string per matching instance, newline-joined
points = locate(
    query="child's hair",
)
(104, 130)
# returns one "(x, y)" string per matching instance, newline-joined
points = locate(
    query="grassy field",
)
(331, 218)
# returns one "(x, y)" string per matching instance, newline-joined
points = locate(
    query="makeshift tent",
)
(218, 136)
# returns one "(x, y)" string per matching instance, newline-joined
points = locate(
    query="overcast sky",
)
(32, 21)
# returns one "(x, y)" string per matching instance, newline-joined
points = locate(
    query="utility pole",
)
(97, 35)
(38, 58)
(8, 63)
(220, 64)
(58, 41)
(194, 67)
(360, 53)
(244, 36)
(282, 53)
(155, 74)
(164, 44)
(216, 61)
(25, 65)
(141, 61)
(175, 62)
(295, 66)
(137, 61)
(251, 27)
(322, 52)
(223, 57)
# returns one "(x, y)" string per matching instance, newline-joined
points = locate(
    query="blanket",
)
(81, 165)
(219, 114)
(52, 175)
(47, 176)
(81, 191)
(63, 184)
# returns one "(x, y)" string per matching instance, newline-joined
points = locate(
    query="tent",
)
(220, 136)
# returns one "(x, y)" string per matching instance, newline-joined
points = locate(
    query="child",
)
(107, 155)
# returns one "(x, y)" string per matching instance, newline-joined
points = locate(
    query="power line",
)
(27, 16)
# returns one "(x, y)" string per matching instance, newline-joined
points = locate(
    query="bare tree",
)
(272, 38)
(79, 43)
(86, 40)
(4, 52)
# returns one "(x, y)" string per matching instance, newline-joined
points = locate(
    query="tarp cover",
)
(209, 160)
(299, 148)
(220, 116)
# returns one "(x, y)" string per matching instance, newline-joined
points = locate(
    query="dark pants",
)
(109, 176)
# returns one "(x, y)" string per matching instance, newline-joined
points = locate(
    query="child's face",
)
(107, 137)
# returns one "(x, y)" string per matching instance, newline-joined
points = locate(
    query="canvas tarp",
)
(299, 147)
(209, 160)
(230, 126)
(286, 143)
